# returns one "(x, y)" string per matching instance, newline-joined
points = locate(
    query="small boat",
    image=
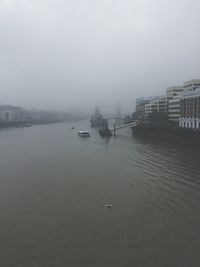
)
(105, 131)
(83, 133)
(24, 125)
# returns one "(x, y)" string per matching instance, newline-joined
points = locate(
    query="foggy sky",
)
(68, 53)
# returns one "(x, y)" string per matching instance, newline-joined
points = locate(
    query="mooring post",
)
(114, 129)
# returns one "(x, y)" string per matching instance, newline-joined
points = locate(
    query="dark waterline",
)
(54, 185)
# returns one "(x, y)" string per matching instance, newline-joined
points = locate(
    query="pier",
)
(114, 129)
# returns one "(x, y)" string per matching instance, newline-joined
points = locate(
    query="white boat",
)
(83, 133)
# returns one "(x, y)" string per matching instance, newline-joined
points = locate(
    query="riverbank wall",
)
(9, 124)
(186, 137)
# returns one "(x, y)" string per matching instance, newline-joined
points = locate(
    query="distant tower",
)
(118, 117)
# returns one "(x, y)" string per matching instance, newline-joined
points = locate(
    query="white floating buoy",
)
(109, 206)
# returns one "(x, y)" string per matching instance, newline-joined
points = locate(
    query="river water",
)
(54, 185)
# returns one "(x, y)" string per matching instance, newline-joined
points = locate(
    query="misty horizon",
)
(64, 55)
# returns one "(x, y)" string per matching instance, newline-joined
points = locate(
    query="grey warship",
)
(97, 119)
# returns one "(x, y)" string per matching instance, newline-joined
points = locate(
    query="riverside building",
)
(191, 84)
(174, 110)
(190, 109)
(173, 95)
(180, 106)
(140, 106)
(173, 91)
(159, 104)
(10, 113)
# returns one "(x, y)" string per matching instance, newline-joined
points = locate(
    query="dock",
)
(133, 124)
